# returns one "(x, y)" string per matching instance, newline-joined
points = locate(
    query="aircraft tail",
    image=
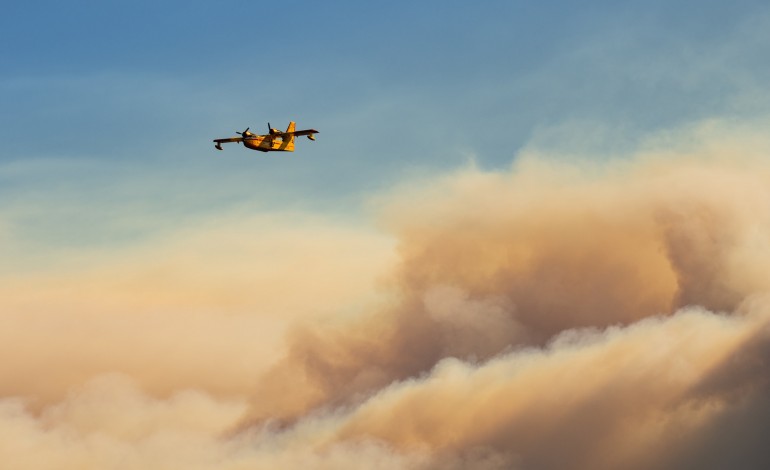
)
(289, 139)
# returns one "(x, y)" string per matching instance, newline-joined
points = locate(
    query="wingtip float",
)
(274, 141)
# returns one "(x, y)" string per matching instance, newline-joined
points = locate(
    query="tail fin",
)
(288, 137)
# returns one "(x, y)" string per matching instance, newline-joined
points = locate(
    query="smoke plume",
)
(557, 315)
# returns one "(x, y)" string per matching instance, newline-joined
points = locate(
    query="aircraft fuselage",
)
(270, 143)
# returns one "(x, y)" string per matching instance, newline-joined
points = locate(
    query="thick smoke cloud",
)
(557, 315)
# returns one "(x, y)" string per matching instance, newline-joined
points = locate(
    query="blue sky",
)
(110, 107)
(503, 196)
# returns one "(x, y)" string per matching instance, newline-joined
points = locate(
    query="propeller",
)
(245, 134)
(273, 131)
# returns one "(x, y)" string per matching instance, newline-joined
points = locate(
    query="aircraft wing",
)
(230, 139)
(303, 132)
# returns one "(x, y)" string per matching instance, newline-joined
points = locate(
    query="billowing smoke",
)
(557, 315)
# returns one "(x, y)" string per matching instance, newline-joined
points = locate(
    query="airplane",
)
(273, 141)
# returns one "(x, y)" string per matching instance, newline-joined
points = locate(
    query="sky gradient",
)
(528, 235)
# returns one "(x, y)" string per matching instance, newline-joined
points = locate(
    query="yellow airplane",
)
(273, 141)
